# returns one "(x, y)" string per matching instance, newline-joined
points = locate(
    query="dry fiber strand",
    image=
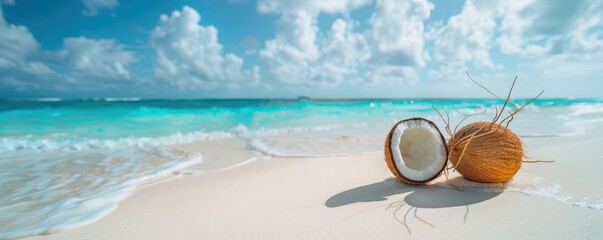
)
(488, 151)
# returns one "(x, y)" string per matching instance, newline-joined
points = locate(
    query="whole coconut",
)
(486, 152)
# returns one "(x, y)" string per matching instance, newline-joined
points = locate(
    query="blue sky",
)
(318, 48)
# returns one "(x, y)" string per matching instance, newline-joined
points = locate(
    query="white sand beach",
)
(269, 119)
(356, 198)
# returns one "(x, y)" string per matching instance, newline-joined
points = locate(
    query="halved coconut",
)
(415, 151)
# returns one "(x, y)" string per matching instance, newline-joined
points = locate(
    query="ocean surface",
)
(65, 163)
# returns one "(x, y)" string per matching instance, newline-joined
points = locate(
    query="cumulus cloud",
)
(92, 7)
(288, 56)
(520, 29)
(558, 40)
(396, 33)
(396, 40)
(189, 54)
(302, 54)
(465, 38)
(392, 46)
(313, 6)
(536, 34)
(537, 28)
(82, 63)
(16, 43)
(103, 58)
(341, 53)
(18, 50)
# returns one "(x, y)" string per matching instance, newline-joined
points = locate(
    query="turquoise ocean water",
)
(64, 163)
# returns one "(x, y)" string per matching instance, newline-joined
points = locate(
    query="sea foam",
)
(524, 183)
(48, 192)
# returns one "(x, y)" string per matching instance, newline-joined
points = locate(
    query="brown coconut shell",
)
(493, 155)
(389, 158)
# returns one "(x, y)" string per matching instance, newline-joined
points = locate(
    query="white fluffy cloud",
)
(297, 55)
(542, 40)
(94, 6)
(560, 41)
(396, 40)
(102, 58)
(190, 56)
(313, 6)
(18, 63)
(302, 54)
(467, 36)
(287, 57)
(537, 28)
(16, 43)
(340, 53)
(82, 63)
(542, 33)
(396, 34)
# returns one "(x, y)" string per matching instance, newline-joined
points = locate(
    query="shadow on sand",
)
(419, 197)
(374, 192)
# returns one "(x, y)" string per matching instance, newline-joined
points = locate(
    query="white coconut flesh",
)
(418, 150)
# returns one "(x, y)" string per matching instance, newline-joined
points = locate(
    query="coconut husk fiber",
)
(486, 152)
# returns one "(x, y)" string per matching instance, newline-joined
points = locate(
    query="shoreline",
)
(354, 197)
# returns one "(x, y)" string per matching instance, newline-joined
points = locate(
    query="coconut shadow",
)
(420, 196)
(374, 192)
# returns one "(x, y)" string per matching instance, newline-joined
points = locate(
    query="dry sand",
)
(355, 198)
